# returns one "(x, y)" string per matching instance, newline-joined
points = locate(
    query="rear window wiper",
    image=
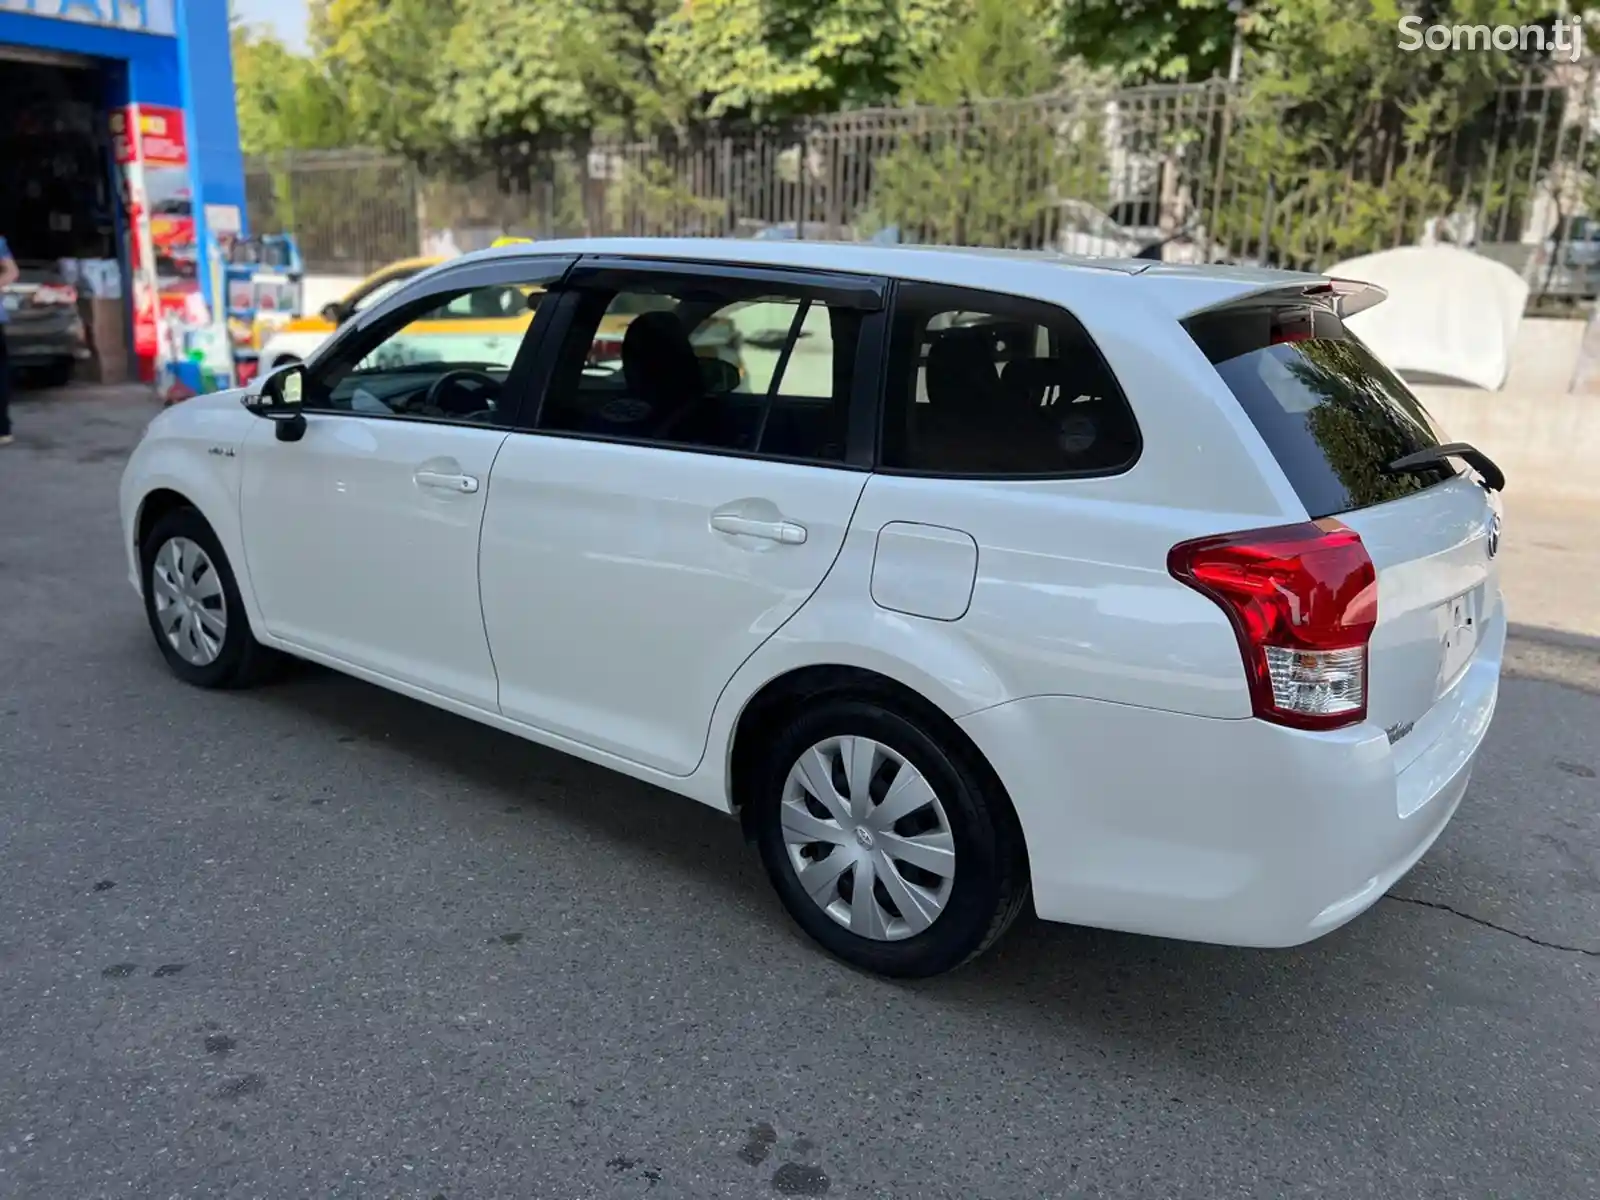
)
(1493, 477)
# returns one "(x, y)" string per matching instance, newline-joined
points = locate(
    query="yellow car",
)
(478, 318)
(296, 339)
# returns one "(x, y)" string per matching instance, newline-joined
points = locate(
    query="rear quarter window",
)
(990, 385)
(1331, 413)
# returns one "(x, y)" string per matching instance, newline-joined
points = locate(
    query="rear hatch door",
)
(1335, 418)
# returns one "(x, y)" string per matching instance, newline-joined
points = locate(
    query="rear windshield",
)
(1333, 415)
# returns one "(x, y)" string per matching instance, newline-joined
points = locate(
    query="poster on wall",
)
(151, 148)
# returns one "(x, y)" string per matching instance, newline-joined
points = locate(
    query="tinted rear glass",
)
(1333, 415)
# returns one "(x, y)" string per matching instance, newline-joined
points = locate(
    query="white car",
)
(1143, 593)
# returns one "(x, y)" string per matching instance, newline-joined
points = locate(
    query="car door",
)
(361, 536)
(678, 496)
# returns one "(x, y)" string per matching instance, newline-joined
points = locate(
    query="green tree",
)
(283, 101)
(1144, 41)
(512, 70)
(779, 59)
(284, 104)
(1342, 142)
(982, 168)
(381, 58)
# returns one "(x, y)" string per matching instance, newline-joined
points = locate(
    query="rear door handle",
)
(445, 482)
(790, 533)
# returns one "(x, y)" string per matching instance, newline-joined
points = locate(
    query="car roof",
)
(1180, 288)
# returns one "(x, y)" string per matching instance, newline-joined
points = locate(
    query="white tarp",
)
(1451, 314)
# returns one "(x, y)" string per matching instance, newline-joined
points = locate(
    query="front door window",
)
(449, 361)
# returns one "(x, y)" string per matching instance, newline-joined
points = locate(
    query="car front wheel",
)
(192, 602)
(888, 842)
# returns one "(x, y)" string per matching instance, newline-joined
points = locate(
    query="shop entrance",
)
(59, 212)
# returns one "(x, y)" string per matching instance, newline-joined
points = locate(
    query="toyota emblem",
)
(1494, 535)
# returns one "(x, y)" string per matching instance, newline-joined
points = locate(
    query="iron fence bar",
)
(1538, 148)
(1173, 156)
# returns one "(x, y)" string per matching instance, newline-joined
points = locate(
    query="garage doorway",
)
(60, 213)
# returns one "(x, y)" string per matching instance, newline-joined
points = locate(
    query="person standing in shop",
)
(8, 276)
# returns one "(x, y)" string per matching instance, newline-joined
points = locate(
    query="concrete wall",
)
(1545, 355)
(1547, 443)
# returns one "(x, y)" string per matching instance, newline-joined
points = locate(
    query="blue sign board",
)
(138, 16)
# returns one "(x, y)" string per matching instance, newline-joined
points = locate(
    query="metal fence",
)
(1209, 173)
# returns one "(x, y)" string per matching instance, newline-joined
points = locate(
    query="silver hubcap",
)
(868, 838)
(190, 608)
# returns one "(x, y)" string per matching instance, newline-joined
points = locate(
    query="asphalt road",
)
(318, 940)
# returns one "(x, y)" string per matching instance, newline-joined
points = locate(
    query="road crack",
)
(1487, 924)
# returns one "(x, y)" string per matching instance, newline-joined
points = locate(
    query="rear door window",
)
(1332, 414)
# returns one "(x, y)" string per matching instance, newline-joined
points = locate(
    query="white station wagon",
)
(1145, 593)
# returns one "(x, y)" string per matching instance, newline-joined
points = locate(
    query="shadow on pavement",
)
(1199, 1007)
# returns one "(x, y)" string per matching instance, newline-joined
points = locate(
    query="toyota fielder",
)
(1142, 593)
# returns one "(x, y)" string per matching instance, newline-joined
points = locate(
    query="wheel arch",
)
(769, 706)
(155, 505)
(166, 475)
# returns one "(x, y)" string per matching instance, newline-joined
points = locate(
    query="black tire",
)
(57, 374)
(990, 883)
(242, 661)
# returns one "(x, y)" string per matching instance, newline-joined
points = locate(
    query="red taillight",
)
(50, 295)
(1303, 600)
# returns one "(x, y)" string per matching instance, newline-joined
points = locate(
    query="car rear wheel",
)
(192, 602)
(886, 841)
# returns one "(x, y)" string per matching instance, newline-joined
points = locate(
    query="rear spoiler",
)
(1346, 297)
(1350, 296)
(1188, 291)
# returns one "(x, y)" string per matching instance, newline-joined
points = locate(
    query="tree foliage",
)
(517, 69)
(777, 59)
(422, 77)
(1335, 141)
(381, 58)
(988, 173)
(1347, 141)
(284, 102)
(1144, 41)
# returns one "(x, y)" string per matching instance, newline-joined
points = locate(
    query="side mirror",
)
(720, 375)
(278, 400)
(334, 313)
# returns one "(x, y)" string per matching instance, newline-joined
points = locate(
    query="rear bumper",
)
(38, 348)
(1229, 831)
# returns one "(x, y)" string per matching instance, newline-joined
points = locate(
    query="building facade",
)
(120, 147)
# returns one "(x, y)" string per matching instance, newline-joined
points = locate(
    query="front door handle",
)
(446, 482)
(790, 533)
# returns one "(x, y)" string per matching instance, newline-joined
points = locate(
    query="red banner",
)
(162, 140)
(150, 143)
